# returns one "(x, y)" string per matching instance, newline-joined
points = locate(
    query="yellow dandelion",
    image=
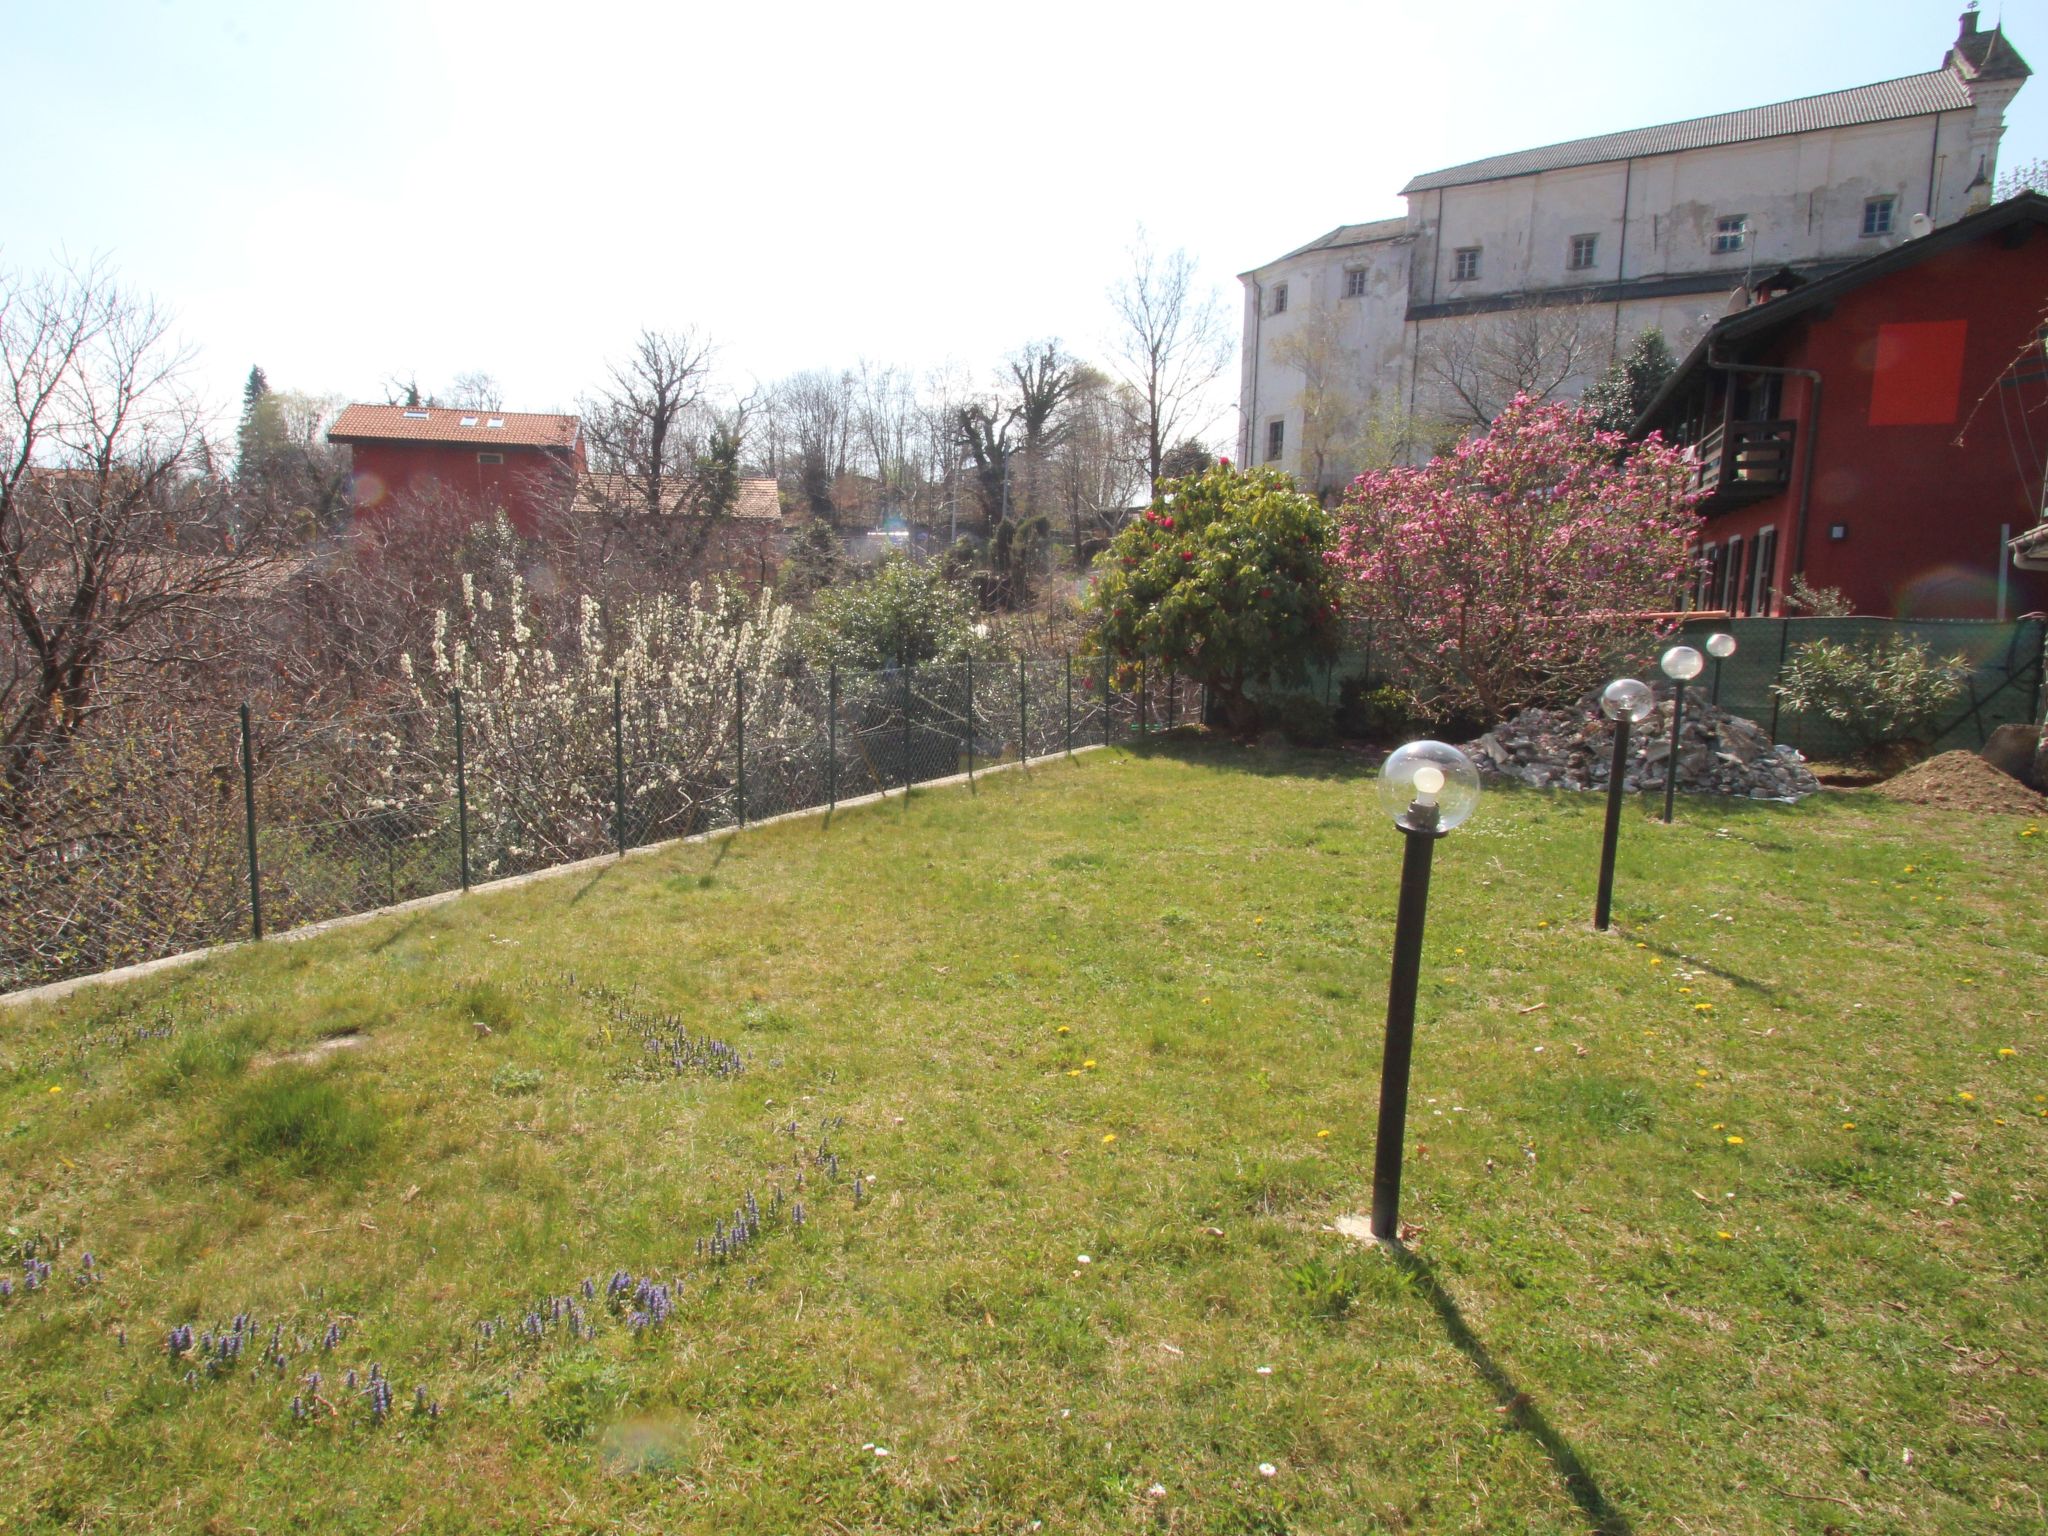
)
(1684, 991)
(1641, 945)
(1106, 1140)
(1656, 959)
(56, 1088)
(1205, 1002)
(1074, 1072)
(1702, 1007)
(1726, 1237)
(1322, 1135)
(1848, 1125)
(1995, 1120)
(1064, 1030)
(1258, 922)
(1459, 950)
(1967, 1097)
(1543, 922)
(1089, 1062)
(1701, 1072)
(1734, 1141)
(1719, 1126)
(1909, 869)
(2006, 1050)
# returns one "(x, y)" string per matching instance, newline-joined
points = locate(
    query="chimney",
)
(1969, 22)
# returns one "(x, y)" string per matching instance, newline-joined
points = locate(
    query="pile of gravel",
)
(1718, 753)
(1963, 781)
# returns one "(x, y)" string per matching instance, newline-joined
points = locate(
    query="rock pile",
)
(1718, 753)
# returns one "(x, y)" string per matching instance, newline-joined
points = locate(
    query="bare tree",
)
(1476, 364)
(1329, 397)
(476, 391)
(124, 559)
(1172, 343)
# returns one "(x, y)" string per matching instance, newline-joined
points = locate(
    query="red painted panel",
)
(1918, 379)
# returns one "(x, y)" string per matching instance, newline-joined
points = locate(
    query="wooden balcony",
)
(1746, 461)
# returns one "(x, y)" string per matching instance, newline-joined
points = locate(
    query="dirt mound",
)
(1963, 781)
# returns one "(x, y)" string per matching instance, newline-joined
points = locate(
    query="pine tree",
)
(1631, 381)
(249, 451)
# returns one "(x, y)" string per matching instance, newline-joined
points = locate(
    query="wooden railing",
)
(1747, 461)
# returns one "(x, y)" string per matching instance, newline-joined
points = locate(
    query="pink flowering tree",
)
(1517, 568)
(1224, 578)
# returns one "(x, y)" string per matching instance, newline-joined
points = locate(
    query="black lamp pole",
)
(1419, 826)
(1671, 768)
(1604, 902)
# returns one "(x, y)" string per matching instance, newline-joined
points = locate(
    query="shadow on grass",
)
(403, 930)
(1514, 1403)
(591, 884)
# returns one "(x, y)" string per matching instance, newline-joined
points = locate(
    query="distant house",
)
(519, 462)
(746, 542)
(1859, 430)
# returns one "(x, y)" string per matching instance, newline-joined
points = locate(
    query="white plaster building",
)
(1579, 246)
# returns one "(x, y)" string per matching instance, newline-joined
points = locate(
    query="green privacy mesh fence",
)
(2003, 662)
(122, 846)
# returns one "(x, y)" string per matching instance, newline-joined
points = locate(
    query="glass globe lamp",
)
(1627, 699)
(1429, 786)
(1682, 663)
(1721, 646)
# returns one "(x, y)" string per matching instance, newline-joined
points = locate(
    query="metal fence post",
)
(1106, 711)
(970, 719)
(618, 764)
(461, 791)
(249, 827)
(1172, 701)
(1023, 717)
(1141, 696)
(906, 730)
(1070, 704)
(832, 738)
(739, 724)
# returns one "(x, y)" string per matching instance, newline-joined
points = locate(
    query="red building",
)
(1865, 430)
(518, 462)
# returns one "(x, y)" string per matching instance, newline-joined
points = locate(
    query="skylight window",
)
(469, 421)
(415, 415)
(495, 421)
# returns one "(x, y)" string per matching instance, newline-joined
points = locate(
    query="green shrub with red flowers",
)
(1225, 579)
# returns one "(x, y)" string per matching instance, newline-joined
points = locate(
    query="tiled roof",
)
(1939, 90)
(1353, 234)
(433, 424)
(758, 501)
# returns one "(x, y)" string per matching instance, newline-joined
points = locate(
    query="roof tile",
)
(435, 424)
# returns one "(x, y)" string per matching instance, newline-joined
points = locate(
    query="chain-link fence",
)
(117, 848)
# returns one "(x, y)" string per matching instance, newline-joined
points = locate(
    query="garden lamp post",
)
(1681, 664)
(1626, 702)
(1720, 646)
(1428, 788)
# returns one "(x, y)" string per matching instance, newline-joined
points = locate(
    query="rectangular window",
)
(1279, 298)
(469, 421)
(1878, 213)
(1703, 588)
(1464, 263)
(490, 458)
(1731, 233)
(1585, 251)
(1354, 283)
(1762, 578)
(495, 421)
(1276, 439)
(1731, 576)
(415, 415)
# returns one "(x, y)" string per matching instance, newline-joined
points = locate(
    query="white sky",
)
(343, 193)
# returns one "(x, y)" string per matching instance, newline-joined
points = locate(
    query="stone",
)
(2014, 750)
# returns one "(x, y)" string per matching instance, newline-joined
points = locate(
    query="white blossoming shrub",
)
(541, 753)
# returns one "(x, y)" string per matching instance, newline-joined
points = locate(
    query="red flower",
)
(1187, 554)
(1223, 461)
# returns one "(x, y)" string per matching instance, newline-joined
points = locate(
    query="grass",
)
(1729, 1220)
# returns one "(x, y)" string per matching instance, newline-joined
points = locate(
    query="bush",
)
(300, 1123)
(905, 613)
(1380, 712)
(1888, 691)
(1304, 719)
(1223, 579)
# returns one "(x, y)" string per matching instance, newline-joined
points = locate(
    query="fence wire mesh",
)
(117, 848)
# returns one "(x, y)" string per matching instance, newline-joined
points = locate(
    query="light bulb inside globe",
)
(1721, 646)
(1429, 783)
(1627, 699)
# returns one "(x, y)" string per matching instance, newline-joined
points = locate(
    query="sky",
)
(345, 194)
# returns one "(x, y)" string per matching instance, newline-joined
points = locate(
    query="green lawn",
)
(1729, 1221)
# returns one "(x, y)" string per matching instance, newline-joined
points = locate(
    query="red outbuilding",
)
(1872, 431)
(519, 462)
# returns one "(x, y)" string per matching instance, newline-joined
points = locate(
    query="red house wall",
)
(1903, 360)
(523, 486)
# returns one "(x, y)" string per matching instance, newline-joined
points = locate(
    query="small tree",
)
(1515, 568)
(1631, 382)
(904, 614)
(1888, 691)
(1225, 578)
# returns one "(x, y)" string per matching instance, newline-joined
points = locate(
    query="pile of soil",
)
(1963, 781)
